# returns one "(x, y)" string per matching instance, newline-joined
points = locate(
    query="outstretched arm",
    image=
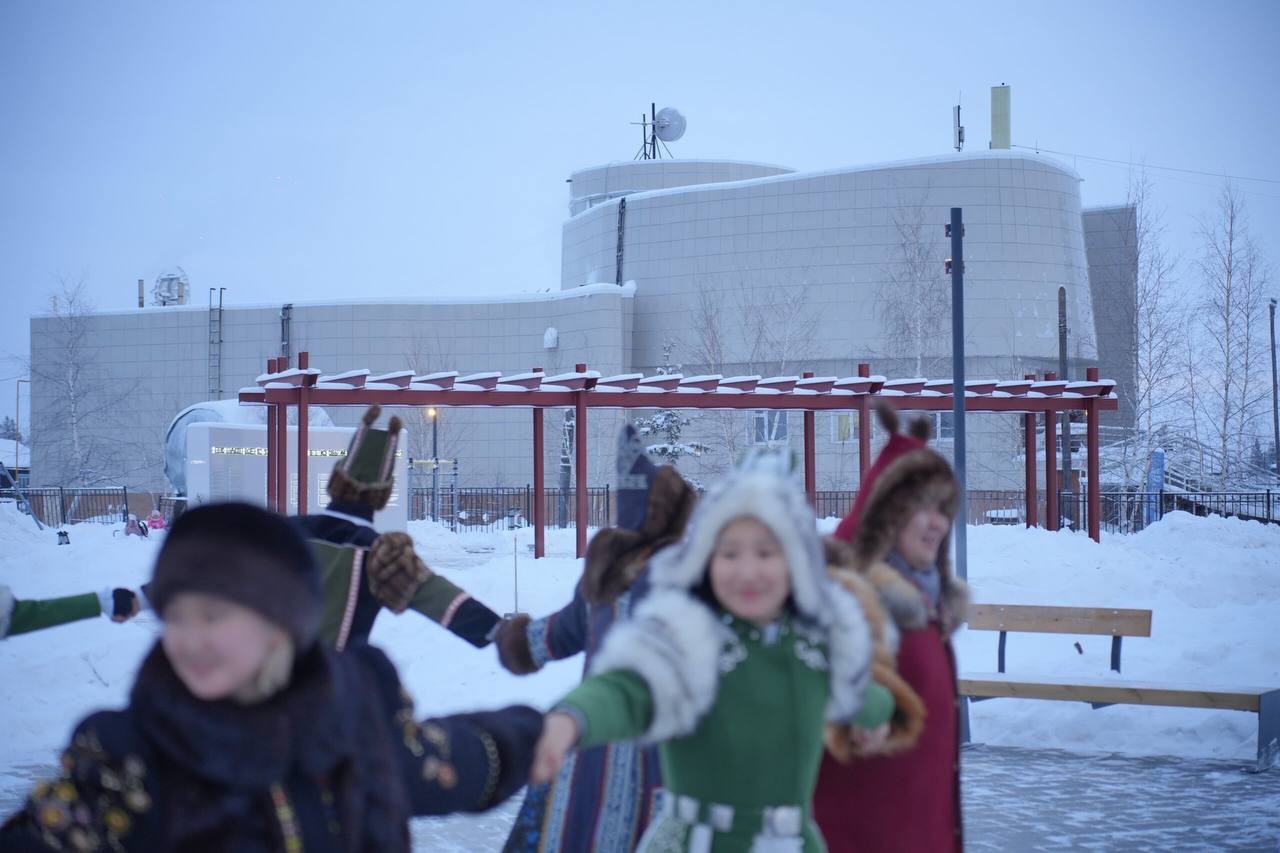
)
(462, 762)
(20, 616)
(525, 644)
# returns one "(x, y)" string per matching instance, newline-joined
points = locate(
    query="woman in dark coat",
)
(899, 529)
(245, 733)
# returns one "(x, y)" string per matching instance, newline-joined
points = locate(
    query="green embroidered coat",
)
(756, 747)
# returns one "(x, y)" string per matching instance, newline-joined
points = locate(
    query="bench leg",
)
(1115, 652)
(1000, 652)
(1269, 731)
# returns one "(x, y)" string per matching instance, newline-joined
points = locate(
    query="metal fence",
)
(56, 507)
(506, 508)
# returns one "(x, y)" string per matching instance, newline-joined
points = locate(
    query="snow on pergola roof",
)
(666, 391)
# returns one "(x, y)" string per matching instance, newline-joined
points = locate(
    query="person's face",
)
(217, 647)
(749, 572)
(921, 537)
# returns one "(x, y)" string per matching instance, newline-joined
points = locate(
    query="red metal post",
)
(810, 462)
(864, 429)
(304, 490)
(1050, 467)
(580, 463)
(272, 450)
(282, 446)
(539, 491)
(1029, 451)
(1091, 437)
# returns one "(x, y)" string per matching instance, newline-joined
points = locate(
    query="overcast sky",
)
(303, 150)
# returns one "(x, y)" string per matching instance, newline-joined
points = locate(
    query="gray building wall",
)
(834, 241)
(817, 253)
(1111, 243)
(148, 364)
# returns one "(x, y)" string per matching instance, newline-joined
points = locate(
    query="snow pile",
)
(1213, 585)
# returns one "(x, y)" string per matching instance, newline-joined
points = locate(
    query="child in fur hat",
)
(245, 732)
(899, 535)
(601, 800)
(741, 650)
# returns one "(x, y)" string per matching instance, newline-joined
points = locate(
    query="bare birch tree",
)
(914, 302)
(1158, 315)
(80, 431)
(1232, 316)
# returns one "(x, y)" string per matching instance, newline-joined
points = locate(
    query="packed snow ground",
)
(1213, 585)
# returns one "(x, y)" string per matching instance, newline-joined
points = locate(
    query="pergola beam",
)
(279, 388)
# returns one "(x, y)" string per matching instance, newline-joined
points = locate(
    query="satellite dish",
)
(669, 124)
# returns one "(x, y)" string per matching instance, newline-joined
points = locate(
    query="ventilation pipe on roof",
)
(1000, 122)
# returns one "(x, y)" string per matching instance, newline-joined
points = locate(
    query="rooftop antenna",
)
(657, 129)
(957, 129)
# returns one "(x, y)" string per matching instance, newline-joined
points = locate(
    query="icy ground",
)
(1213, 586)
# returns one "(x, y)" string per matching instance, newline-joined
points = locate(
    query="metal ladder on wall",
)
(215, 345)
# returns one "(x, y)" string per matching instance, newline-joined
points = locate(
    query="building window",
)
(768, 427)
(944, 425)
(844, 427)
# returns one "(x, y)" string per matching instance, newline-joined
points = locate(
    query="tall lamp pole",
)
(1275, 403)
(435, 464)
(17, 401)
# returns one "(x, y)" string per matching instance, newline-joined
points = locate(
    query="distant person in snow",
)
(133, 527)
(20, 616)
(245, 732)
(375, 571)
(900, 532)
(155, 520)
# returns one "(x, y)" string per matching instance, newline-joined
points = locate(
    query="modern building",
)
(704, 266)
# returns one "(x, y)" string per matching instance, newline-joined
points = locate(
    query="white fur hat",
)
(761, 488)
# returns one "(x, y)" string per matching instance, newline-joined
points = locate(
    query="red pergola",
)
(281, 387)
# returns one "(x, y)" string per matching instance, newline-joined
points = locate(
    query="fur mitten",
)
(395, 570)
(512, 641)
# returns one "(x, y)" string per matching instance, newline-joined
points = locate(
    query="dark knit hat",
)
(635, 472)
(246, 554)
(364, 474)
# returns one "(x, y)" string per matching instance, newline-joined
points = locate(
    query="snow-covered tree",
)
(9, 430)
(668, 424)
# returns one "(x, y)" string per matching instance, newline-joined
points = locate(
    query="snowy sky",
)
(301, 150)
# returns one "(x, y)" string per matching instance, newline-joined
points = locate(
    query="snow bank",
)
(1213, 585)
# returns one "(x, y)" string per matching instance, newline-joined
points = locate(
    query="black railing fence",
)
(507, 507)
(56, 507)
(504, 508)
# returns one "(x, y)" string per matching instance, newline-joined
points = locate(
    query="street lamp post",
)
(435, 464)
(17, 414)
(1275, 403)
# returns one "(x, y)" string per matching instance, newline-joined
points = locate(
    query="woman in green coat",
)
(740, 654)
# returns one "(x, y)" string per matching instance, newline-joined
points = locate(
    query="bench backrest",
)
(1027, 618)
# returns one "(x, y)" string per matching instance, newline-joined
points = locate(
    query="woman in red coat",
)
(899, 530)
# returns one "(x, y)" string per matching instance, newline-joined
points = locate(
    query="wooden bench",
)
(1116, 623)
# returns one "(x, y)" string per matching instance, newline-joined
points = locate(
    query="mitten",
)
(395, 571)
(124, 604)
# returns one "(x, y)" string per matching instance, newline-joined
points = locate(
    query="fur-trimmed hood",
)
(906, 476)
(616, 555)
(761, 489)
